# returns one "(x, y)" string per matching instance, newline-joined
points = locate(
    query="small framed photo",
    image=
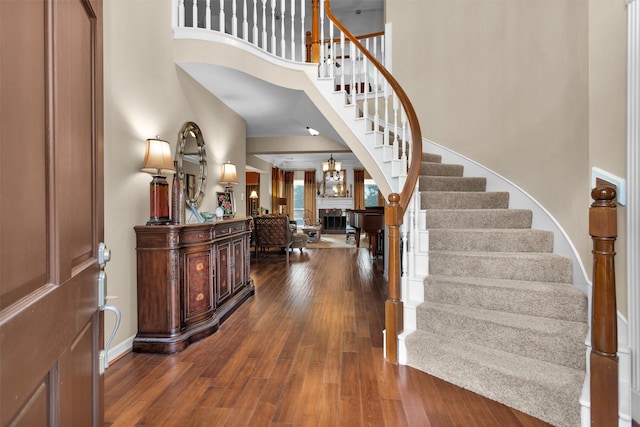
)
(225, 201)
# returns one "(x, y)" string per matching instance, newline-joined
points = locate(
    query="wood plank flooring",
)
(306, 350)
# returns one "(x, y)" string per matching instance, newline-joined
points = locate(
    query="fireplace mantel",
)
(333, 202)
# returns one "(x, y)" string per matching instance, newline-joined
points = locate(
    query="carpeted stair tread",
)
(491, 240)
(546, 299)
(550, 340)
(464, 200)
(478, 218)
(545, 390)
(451, 183)
(540, 267)
(440, 169)
(431, 158)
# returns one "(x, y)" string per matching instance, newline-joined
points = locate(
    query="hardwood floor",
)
(306, 350)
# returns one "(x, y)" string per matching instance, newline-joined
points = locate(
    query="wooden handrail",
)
(398, 203)
(603, 229)
(416, 151)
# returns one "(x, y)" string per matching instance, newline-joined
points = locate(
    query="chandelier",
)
(332, 168)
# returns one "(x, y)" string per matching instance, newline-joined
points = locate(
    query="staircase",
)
(496, 310)
(500, 315)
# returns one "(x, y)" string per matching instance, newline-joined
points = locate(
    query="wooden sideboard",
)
(190, 278)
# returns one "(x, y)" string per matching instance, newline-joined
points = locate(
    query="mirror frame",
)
(190, 128)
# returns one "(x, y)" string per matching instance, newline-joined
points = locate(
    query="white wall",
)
(147, 95)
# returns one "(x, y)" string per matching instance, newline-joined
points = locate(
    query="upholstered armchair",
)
(272, 230)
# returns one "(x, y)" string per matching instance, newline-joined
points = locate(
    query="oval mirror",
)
(191, 163)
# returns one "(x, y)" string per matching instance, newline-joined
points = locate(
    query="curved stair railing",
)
(279, 27)
(405, 143)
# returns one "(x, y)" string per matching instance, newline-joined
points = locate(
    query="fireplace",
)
(333, 220)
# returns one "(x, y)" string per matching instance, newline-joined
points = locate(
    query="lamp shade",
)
(253, 195)
(282, 201)
(157, 157)
(229, 174)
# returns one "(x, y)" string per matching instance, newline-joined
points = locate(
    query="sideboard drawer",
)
(196, 236)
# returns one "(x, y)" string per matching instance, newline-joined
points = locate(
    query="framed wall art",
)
(225, 201)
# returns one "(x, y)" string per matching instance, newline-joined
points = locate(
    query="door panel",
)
(51, 212)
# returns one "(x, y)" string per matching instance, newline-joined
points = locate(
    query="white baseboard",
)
(120, 349)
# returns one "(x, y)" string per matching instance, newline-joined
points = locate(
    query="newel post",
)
(315, 31)
(603, 229)
(393, 308)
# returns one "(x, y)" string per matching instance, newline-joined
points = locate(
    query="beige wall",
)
(508, 83)
(147, 95)
(607, 109)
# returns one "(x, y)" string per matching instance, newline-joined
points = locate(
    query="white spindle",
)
(354, 63)
(254, 40)
(245, 24)
(365, 104)
(303, 35)
(221, 21)
(376, 116)
(323, 58)
(332, 54)
(293, 30)
(282, 34)
(264, 24)
(273, 27)
(181, 14)
(194, 14)
(207, 18)
(395, 127)
(343, 59)
(386, 116)
(403, 118)
(234, 18)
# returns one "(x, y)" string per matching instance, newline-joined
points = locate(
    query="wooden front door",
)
(51, 212)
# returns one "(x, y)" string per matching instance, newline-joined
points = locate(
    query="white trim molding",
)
(633, 206)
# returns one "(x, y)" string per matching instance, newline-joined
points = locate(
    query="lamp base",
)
(159, 201)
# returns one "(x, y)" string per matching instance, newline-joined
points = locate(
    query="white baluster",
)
(255, 24)
(303, 35)
(194, 14)
(352, 57)
(221, 21)
(344, 61)
(293, 33)
(208, 17)
(181, 14)
(365, 104)
(395, 127)
(403, 116)
(376, 116)
(273, 27)
(382, 59)
(386, 114)
(245, 24)
(323, 58)
(264, 24)
(282, 34)
(332, 53)
(234, 19)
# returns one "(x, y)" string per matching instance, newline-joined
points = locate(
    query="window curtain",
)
(277, 188)
(288, 193)
(310, 197)
(358, 189)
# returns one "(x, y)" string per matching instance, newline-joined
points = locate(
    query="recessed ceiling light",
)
(312, 131)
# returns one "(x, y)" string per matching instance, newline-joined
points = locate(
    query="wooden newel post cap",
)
(602, 214)
(603, 195)
(393, 212)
